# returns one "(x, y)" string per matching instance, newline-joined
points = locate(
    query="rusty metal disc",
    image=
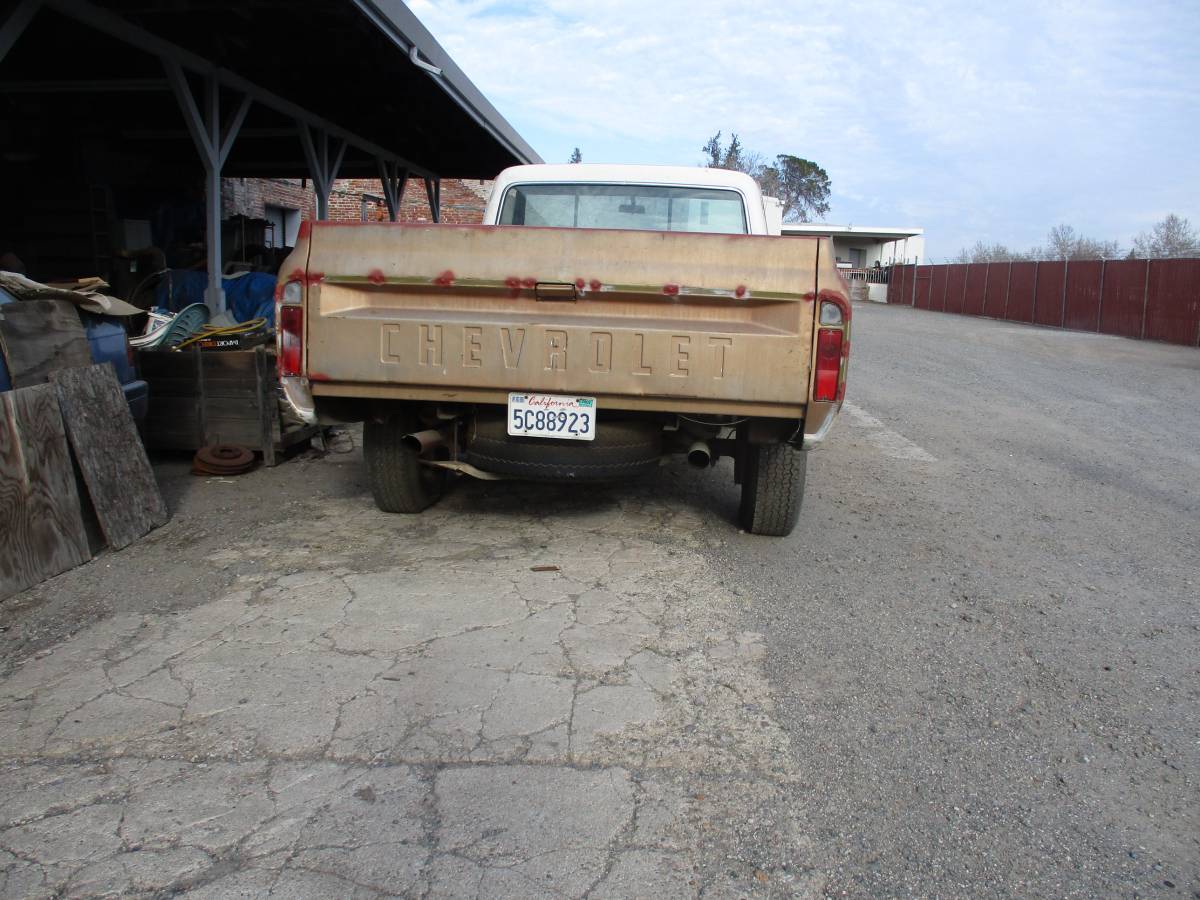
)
(222, 459)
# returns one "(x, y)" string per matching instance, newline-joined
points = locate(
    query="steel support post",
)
(321, 165)
(433, 191)
(394, 177)
(213, 142)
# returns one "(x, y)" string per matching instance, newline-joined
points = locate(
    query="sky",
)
(976, 123)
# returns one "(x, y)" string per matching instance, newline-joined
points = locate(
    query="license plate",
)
(551, 416)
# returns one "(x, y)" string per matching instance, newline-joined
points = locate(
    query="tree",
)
(1064, 242)
(1169, 238)
(713, 153)
(799, 184)
(734, 156)
(576, 156)
(989, 253)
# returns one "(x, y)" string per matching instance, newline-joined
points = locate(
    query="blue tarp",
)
(247, 297)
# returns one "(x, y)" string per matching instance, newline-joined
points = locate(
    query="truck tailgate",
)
(640, 319)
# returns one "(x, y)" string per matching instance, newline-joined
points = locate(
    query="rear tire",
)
(399, 482)
(772, 489)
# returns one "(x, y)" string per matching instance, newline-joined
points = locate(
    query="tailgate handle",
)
(555, 291)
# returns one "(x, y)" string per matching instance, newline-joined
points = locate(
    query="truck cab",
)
(642, 198)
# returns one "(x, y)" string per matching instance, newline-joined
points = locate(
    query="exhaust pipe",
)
(424, 441)
(700, 455)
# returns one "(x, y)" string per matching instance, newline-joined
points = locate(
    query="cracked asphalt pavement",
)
(971, 672)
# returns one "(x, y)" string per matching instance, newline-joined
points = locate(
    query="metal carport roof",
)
(256, 88)
(369, 71)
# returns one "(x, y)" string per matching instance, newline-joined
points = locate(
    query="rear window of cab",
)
(638, 207)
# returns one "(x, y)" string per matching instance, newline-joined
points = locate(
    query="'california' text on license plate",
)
(551, 416)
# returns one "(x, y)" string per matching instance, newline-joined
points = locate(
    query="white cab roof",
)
(689, 176)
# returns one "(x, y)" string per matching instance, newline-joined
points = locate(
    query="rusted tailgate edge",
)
(604, 401)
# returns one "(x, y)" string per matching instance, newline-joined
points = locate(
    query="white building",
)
(858, 247)
(864, 254)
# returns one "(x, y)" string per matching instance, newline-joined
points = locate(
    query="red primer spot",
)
(671, 290)
(594, 284)
(529, 283)
(375, 276)
(279, 291)
(316, 277)
(513, 283)
(305, 229)
(739, 291)
(318, 376)
(297, 275)
(579, 283)
(446, 279)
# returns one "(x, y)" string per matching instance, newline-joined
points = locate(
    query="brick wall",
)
(249, 196)
(463, 201)
(353, 199)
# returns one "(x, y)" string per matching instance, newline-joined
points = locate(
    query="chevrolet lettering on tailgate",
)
(438, 347)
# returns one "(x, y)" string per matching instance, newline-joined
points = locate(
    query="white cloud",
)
(989, 122)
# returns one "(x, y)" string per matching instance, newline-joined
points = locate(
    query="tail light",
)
(829, 384)
(289, 325)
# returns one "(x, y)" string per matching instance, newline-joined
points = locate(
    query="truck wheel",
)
(772, 488)
(399, 482)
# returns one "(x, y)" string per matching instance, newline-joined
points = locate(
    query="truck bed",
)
(640, 320)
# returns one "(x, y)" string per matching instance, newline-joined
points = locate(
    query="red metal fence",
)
(1156, 299)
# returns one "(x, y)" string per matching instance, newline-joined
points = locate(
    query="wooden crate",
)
(201, 397)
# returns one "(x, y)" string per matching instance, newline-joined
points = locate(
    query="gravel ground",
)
(971, 672)
(985, 638)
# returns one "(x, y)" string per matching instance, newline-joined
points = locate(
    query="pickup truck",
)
(602, 319)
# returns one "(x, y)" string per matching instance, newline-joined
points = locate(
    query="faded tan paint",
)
(661, 321)
(604, 401)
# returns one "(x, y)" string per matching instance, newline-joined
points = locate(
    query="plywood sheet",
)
(996, 289)
(1123, 298)
(1050, 281)
(973, 295)
(119, 479)
(41, 527)
(39, 336)
(956, 287)
(1022, 278)
(1173, 301)
(1081, 310)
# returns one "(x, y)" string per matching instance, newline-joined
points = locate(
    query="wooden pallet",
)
(120, 482)
(198, 398)
(42, 531)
